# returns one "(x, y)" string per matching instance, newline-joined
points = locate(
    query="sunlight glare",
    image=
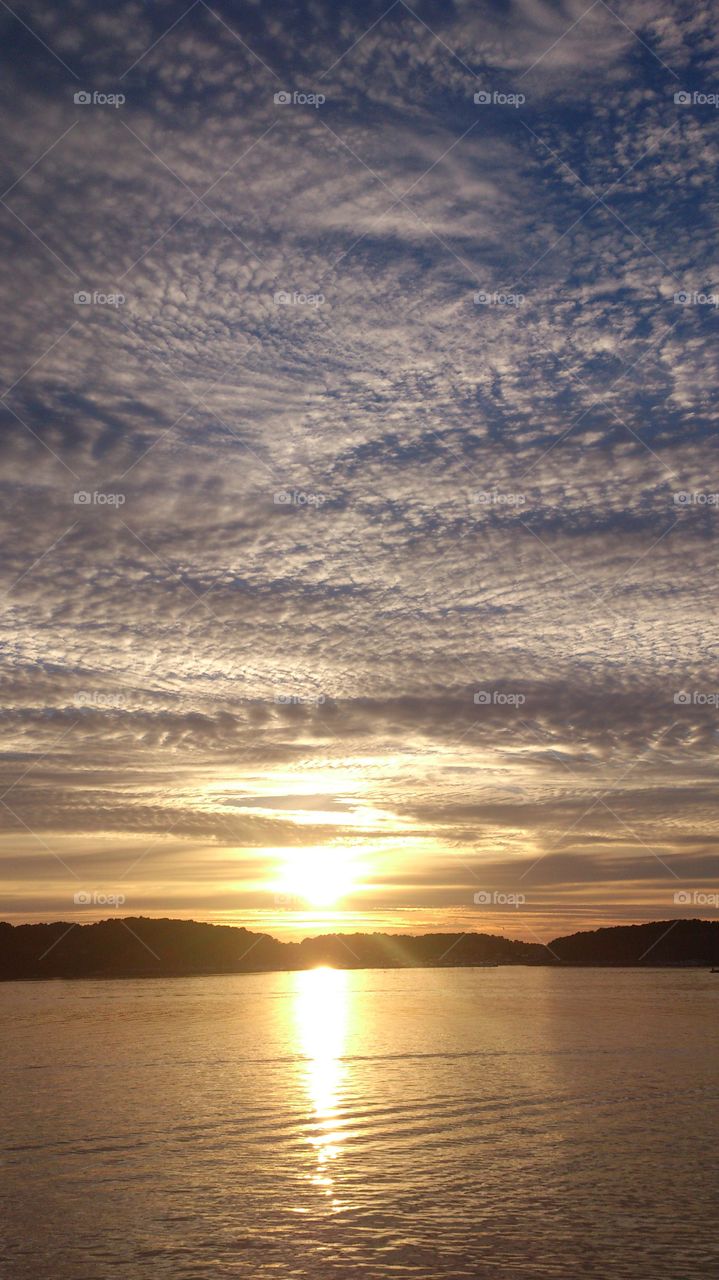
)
(321, 1013)
(319, 876)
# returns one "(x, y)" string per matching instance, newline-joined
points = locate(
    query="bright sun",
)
(319, 876)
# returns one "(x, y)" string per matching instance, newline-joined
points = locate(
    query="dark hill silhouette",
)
(659, 943)
(145, 947)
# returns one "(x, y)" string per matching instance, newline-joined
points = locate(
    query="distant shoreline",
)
(130, 976)
(145, 947)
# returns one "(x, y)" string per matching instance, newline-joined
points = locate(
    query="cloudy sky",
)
(360, 485)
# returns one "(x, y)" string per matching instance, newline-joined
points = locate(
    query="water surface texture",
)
(503, 1122)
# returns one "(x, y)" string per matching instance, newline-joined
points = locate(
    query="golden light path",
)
(321, 1011)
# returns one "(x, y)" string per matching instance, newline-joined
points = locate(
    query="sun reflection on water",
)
(321, 1010)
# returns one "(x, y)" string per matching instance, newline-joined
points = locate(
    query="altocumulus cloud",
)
(359, 482)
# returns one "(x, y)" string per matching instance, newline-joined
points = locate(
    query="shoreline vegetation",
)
(145, 947)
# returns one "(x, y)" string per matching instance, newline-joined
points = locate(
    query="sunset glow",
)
(359, 699)
(359, 514)
(318, 877)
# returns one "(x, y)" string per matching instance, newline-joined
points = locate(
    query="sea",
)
(504, 1123)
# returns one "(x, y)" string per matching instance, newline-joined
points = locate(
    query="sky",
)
(359, 483)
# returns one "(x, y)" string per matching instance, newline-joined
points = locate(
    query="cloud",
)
(327, 496)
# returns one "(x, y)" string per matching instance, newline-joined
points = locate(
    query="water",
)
(467, 1123)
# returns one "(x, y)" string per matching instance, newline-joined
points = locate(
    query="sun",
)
(321, 877)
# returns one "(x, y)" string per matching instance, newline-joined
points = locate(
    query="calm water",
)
(468, 1123)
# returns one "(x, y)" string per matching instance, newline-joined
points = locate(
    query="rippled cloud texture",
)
(360, 461)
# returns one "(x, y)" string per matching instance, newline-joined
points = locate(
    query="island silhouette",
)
(141, 946)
